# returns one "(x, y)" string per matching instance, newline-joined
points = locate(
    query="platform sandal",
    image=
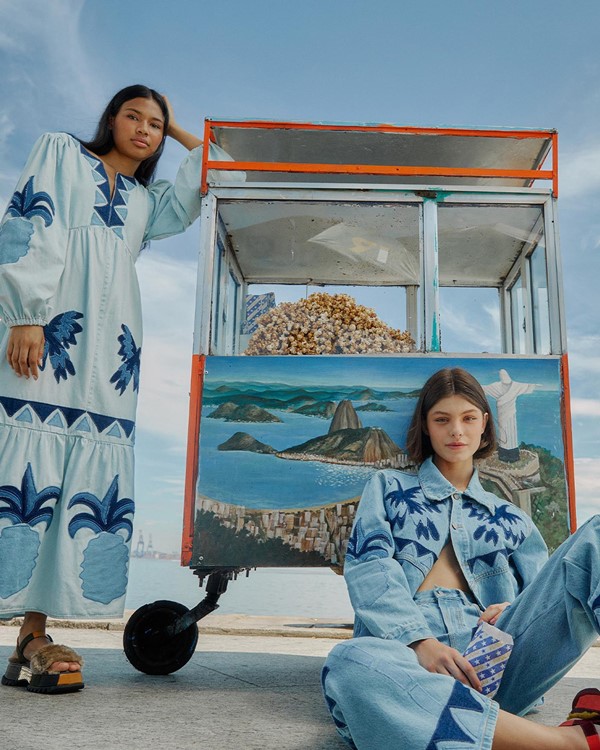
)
(35, 673)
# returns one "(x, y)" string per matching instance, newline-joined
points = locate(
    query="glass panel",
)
(539, 294)
(289, 251)
(517, 314)
(470, 320)
(479, 247)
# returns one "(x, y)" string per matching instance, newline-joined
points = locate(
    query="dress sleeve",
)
(529, 558)
(34, 233)
(175, 206)
(378, 588)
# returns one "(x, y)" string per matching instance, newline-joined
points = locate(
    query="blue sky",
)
(526, 64)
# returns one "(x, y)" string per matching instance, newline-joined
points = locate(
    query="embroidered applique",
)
(448, 728)
(420, 550)
(130, 355)
(335, 712)
(106, 556)
(427, 530)
(26, 508)
(363, 546)
(60, 335)
(402, 503)
(511, 525)
(490, 559)
(16, 233)
(44, 411)
(109, 212)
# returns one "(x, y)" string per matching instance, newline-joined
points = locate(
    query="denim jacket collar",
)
(436, 487)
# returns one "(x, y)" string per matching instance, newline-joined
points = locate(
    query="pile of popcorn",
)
(325, 324)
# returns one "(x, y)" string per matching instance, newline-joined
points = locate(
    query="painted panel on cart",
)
(287, 444)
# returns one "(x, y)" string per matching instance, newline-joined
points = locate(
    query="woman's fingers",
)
(493, 612)
(463, 671)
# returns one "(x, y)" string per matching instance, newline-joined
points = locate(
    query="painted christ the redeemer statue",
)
(506, 391)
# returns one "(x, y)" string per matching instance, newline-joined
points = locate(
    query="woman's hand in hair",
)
(175, 131)
(25, 350)
(440, 659)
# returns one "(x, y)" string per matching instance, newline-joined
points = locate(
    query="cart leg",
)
(216, 585)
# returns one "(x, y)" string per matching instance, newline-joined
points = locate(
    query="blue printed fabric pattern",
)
(106, 550)
(367, 546)
(130, 369)
(448, 728)
(16, 233)
(59, 335)
(25, 508)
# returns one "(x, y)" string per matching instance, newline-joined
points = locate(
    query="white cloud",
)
(46, 69)
(587, 488)
(580, 172)
(168, 297)
(585, 407)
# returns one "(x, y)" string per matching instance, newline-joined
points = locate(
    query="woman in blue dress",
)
(70, 353)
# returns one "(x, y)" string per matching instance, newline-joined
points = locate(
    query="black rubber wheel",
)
(150, 651)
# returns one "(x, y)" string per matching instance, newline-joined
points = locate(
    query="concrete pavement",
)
(239, 690)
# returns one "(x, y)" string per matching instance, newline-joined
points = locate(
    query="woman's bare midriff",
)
(445, 572)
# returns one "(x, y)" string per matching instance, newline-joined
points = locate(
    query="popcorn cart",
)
(340, 266)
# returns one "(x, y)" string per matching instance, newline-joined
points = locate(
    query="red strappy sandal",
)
(585, 713)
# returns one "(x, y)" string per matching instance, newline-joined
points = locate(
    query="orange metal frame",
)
(568, 440)
(297, 167)
(191, 467)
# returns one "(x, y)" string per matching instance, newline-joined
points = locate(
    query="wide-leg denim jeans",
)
(380, 697)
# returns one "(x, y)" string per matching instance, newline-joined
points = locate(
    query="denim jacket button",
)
(456, 496)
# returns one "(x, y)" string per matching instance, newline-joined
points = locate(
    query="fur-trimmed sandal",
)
(585, 713)
(35, 673)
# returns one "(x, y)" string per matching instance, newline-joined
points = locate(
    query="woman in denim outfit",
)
(430, 556)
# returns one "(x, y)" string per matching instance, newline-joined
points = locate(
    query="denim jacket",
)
(402, 524)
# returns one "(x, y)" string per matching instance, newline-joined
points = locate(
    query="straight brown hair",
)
(451, 381)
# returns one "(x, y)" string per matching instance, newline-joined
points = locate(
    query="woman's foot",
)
(34, 645)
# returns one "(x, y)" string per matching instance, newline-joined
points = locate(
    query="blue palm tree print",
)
(59, 335)
(369, 546)
(25, 508)
(403, 503)
(18, 230)
(28, 204)
(25, 504)
(503, 520)
(106, 550)
(106, 515)
(130, 356)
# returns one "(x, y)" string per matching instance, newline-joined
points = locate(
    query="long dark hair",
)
(103, 142)
(448, 382)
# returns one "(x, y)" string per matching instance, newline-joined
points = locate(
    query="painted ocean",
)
(387, 384)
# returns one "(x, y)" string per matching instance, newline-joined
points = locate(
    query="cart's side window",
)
(518, 317)
(226, 296)
(493, 287)
(540, 300)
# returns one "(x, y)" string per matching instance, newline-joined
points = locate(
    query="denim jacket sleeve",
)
(378, 587)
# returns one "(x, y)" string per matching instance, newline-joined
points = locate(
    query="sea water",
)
(286, 592)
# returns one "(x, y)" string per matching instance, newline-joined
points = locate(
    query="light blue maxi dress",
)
(67, 262)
